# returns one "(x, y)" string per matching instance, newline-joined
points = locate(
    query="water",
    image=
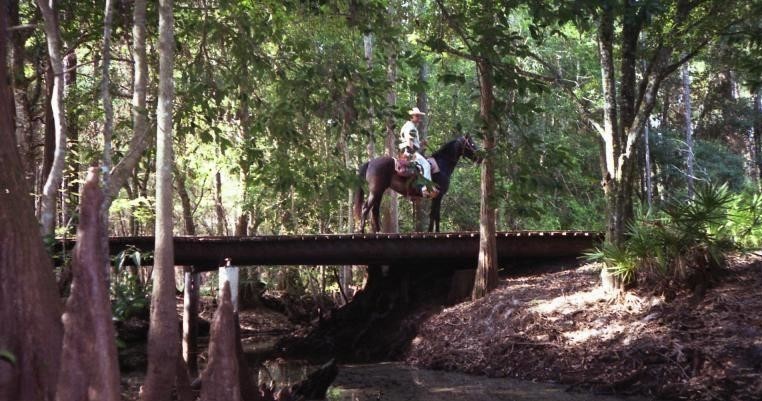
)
(394, 381)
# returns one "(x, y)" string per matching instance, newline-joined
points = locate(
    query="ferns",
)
(688, 240)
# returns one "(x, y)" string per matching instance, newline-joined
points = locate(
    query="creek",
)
(395, 381)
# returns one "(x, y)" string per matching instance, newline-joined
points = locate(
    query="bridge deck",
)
(451, 249)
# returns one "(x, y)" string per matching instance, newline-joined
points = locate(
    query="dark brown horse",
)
(380, 174)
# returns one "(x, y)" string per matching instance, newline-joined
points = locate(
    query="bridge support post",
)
(229, 273)
(190, 320)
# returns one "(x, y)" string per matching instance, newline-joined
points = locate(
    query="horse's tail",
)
(359, 193)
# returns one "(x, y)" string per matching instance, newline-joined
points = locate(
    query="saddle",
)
(409, 168)
(406, 168)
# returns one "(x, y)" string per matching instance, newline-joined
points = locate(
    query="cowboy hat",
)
(416, 111)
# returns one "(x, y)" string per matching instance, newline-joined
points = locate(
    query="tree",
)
(484, 31)
(30, 336)
(163, 338)
(54, 178)
(677, 32)
(139, 141)
(685, 77)
(422, 101)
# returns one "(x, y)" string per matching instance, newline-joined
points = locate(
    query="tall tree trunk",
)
(390, 215)
(53, 180)
(614, 230)
(421, 217)
(648, 171)
(31, 313)
(163, 338)
(486, 270)
(108, 107)
(221, 222)
(140, 137)
(368, 47)
(191, 281)
(108, 128)
(23, 115)
(185, 201)
(49, 130)
(72, 180)
(758, 135)
(685, 76)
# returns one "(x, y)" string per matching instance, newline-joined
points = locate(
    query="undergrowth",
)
(686, 242)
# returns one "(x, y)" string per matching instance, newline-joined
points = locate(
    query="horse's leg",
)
(372, 205)
(364, 215)
(436, 203)
(377, 212)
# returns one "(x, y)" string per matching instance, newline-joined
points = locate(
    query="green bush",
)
(687, 242)
(129, 297)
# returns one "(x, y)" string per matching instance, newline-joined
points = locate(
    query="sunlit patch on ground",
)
(562, 327)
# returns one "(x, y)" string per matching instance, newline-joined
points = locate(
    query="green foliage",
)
(745, 219)
(128, 295)
(688, 240)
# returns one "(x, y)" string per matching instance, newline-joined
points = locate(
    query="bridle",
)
(466, 144)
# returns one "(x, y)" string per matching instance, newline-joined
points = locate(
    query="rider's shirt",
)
(409, 136)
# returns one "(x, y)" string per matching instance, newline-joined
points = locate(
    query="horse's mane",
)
(447, 149)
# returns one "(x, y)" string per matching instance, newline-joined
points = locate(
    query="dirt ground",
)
(560, 327)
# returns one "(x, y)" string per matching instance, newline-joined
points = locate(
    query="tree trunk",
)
(647, 173)
(140, 137)
(685, 77)
(191, 287)
(23, 106)
(163, 338)
(88, 325)
(72, 179)
(368, 47)
(220, 378)
(390, 212)
(31, 325)
(221, 222)
(421, 217)
(185, 201)
(486, 270)
(758, 135)
(49, 131)
(108, 107)
(190, 321)
(614, 225)
(53, 180)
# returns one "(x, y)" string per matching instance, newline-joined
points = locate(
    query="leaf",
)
(8, 356)
(119, 260)
(136, 257)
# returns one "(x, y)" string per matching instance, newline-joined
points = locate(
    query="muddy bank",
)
(559, 327)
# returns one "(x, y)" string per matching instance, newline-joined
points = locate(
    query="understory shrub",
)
(686, 242)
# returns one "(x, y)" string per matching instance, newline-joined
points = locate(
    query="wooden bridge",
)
(457, 249)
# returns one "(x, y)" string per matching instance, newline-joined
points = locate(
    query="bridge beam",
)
(445, 249)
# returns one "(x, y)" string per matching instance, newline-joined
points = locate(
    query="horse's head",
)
(469, 149)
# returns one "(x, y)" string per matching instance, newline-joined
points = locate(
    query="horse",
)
(380, 174)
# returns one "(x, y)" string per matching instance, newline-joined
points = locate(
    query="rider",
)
(410, 145)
